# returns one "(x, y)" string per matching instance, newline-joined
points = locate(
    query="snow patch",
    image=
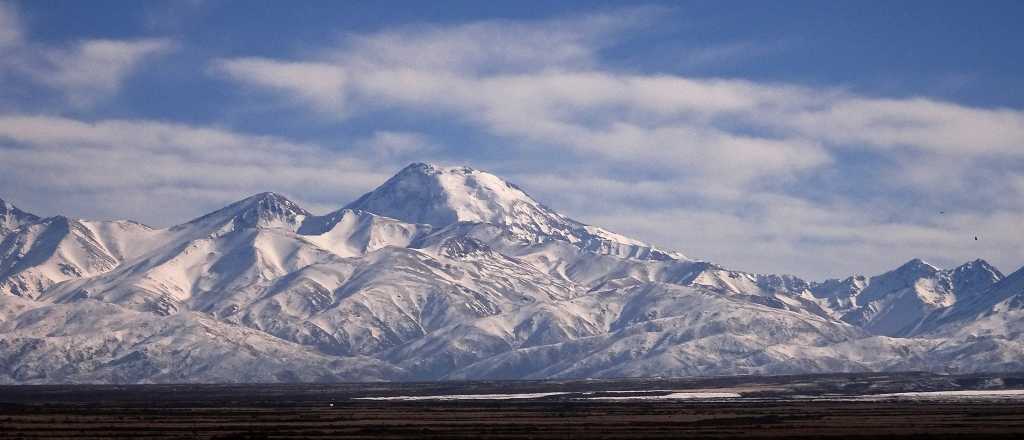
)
(466, 397)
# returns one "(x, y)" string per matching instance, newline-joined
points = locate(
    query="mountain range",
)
(453, 273)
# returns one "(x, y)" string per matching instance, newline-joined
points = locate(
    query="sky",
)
(813, 138)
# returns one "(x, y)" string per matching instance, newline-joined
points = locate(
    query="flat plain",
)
(864, 405)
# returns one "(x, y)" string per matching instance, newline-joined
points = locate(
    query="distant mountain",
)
(895, 303)
(996, 311)
(453, 273)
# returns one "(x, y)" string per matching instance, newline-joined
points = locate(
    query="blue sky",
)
(814, 138)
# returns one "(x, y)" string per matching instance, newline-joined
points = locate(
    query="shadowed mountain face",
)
(444, 273)
(12, 218)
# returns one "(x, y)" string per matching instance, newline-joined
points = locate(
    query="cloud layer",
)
(121, 168)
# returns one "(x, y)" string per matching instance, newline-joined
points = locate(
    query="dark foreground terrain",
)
(527, 420)
(808, 406)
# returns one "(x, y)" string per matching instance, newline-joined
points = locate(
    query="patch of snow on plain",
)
(626, 391)
(467, 397)
(672, 396)
(964, 394)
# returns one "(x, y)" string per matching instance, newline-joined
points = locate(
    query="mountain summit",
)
(263, 210)
(12, 218)
(441, 196)
(444, 196)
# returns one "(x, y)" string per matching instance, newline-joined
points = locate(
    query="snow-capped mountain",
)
(450, 273)
(895, 303)
(998, 311)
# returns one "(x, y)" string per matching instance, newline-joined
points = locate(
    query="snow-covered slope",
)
(37, 256)
(352, 233)
(667, 330)
(95, 342)
(445, 273)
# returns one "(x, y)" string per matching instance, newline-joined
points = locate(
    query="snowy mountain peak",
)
(978, 265)
(12, 218)
(440, 196)
(917, 267)
(264, 210)
(997, 308)
(429, 168)
(974, 278)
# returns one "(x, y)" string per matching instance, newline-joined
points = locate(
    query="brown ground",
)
(537, 419)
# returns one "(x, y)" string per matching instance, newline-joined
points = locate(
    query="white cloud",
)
(546, 87)
(318, 84)
(396, 146)
(918, 123)
(548, 79)
(165, 173)
(84, 72)
(93, 69)
(488, 47)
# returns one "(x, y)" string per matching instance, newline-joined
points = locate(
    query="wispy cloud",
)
(121, 167)
(321, 85)
(84, 72)
(396, 146)
(94, 69)
(548, 87)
